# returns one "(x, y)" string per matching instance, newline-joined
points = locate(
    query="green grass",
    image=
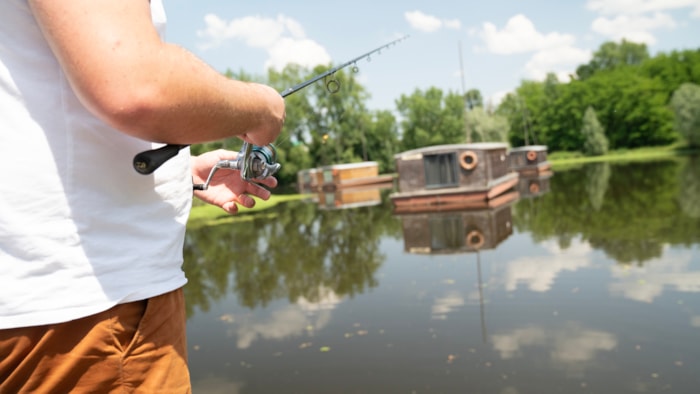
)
(561, 160)
(205, 215)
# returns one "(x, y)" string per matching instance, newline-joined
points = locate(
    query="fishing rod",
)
(254, 162)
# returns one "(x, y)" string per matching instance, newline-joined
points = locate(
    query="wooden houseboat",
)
(307, 181)
(456, 232)
(338, 176)
(456, 176)
(530, 159)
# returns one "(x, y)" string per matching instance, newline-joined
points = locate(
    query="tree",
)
(484, 127)
(612, 55)
(473, 99)
(685, 103)
(595, 142)
(431, 118)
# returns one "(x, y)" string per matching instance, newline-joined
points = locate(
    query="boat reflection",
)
(470, 230)
(534, 185)
(350, 197)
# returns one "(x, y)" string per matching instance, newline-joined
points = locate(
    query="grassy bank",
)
(205, 215)
(562, 160)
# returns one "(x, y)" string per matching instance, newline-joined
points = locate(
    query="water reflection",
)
(459, 231)
(588, 282)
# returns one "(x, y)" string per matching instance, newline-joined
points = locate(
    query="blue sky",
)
(501, 41)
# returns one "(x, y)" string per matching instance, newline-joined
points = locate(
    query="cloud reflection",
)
(539, 272)
(572, 346)
(294, 320)
(445, 305)
(646, 283)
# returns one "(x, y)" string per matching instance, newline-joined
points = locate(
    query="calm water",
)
(588, 282)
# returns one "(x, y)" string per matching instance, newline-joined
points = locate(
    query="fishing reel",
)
(254, 163)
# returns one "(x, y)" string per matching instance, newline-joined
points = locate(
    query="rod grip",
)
(148, 161)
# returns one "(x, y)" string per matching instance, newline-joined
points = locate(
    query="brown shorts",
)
(139, 347)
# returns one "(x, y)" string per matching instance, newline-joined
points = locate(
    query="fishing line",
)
(254, 162)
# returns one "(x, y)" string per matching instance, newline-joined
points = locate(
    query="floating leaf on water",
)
(305, 345)
(325, 349)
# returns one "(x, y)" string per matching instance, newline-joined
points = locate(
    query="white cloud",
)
(561, 61)
(552, 52)
(636, 28)
(429, 23)
(282, 38)
(519, 36)
(632, 7)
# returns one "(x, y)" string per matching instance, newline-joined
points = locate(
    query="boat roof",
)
(529, 148)
(346, 166)
(448, 147)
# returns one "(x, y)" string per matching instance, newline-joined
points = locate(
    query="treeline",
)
(629, 92)
(623, 98)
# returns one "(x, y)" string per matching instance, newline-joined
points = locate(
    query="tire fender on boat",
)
(475, 239)
(534, 188)
(532, 155)
(468, 160)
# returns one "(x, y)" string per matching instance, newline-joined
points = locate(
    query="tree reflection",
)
(289, 253)
(597, 179)
(629, 211)
(689, 195)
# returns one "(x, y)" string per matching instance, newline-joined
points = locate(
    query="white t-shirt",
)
(80, 229)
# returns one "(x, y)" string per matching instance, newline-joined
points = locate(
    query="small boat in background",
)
(338, 176)
(529, 159)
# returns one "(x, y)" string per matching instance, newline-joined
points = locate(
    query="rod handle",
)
(148, 161)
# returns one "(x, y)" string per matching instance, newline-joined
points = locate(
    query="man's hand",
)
(227, 188)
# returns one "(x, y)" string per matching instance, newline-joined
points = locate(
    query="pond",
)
(587, 283)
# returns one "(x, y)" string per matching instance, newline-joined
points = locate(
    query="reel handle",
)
(148, 161)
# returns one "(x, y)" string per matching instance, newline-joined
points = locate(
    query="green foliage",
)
(485, 127)
(612, 55)
(629, 90)
(431, 118)
(595, 143)
(473, 99)
(289, 253)
(686, 107)
(629, 211)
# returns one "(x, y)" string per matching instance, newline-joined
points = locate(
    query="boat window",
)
(441, 170)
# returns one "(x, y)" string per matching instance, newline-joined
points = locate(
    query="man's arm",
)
(125, 74)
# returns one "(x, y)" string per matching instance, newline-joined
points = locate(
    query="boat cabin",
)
(530, 159)
(456, 176)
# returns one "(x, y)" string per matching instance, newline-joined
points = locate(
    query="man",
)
(90, 250)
